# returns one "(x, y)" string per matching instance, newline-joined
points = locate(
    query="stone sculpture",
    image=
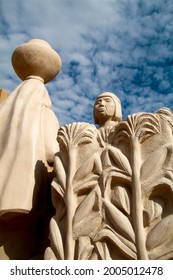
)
(112, 186)
(107, 110)
(26, 119)
(27, 143)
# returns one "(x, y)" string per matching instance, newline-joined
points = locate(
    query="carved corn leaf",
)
(88, 217)
(147, 124)
(153, 162)
(87, 183)
(141, 125)
(123, 131)
(121, 199)
(88, 226)
(60, 172)
(105, 158)
(167, 115)
(162, 252)
(90, 202)
(155, 209)
(84, 248)
(105, 136)
(120, 159)
(116, 173)
(93, 163)
(103, 250)
(119, 220)
(75, 134)
(84, 169)
(144, 125)
(57, 187)
(59, 205)
(106, 234)
(56, 240)
(160, 233)
(49, 254)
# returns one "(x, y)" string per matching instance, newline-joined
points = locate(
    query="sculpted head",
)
(107, 110)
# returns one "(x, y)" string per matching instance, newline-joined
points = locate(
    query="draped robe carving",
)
(27, 145)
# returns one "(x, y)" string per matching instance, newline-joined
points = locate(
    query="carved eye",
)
(108, 100)
(98, 102)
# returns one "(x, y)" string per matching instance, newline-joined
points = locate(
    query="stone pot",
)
(36, 58)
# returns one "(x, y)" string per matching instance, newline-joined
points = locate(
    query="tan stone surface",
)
(27, 133)
(37, 58)
(114, 201)
(107, 110)
(112, 187)
(28, 143)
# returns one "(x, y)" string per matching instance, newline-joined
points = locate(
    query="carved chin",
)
(101, 113)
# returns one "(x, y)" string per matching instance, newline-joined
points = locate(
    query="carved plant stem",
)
(137, 200)
(71, 205)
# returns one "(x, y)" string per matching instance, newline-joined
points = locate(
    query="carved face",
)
(104, 108)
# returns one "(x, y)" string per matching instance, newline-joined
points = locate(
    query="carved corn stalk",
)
(71, 202)
(69, 138)
(137, 128)
(137, 199)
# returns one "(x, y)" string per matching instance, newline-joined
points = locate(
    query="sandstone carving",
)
(27, 144)
(111, 187)
(107, 110)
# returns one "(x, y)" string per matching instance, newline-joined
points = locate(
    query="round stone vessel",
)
(36, 58)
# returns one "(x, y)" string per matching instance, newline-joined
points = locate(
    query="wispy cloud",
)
(123, 46)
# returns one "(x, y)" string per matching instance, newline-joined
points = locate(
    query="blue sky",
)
(122, 46)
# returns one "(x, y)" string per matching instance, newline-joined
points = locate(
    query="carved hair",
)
(118, 111)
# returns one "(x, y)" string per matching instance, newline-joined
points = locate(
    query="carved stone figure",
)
(107, 110)
(112, 187)
(114, 201)
(28, 140)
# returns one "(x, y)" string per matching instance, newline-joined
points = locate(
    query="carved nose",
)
(101, 103)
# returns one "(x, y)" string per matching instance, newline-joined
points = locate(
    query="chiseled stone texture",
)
(28, 143)
(113, 189)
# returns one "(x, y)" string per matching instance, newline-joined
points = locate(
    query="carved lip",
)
(101, 109)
